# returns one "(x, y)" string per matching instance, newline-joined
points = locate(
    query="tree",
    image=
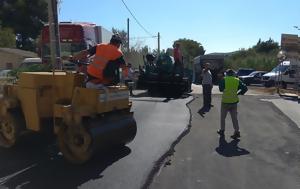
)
(123, 35)
(7, 38)
(262, 56)
(266, 46)
(26, 18)
(190, 49)
(145, 49)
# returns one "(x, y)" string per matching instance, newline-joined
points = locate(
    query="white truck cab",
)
(269, 79)
(284, 74)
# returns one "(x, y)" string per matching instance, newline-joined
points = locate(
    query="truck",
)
(74, 37)
(288, 70)
(275, 76)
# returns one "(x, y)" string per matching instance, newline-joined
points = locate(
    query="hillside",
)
(262, 56)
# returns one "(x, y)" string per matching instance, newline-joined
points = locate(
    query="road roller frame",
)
(84, 120)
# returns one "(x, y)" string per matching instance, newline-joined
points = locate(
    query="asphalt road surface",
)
(35, 164)
(266, 157)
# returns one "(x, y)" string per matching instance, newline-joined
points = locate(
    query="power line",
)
(144, 37)
(136, 19)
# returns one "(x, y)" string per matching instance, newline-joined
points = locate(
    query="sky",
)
(219, 25)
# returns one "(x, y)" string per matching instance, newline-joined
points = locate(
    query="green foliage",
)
(123, 35)
(190, 49)
(31, 68)
(251, 58)
(266, 46)
(25, 17)
(7, 38)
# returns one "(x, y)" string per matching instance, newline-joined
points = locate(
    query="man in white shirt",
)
(207, 88)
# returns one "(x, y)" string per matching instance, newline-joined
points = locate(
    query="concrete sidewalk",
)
(288, 107)
(266, 157)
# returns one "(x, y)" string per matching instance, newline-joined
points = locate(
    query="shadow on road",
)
(291, 98)
(37, 165)
(230, 149)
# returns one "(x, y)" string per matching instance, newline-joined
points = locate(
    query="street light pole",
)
(158, 42)
(298, 68)
(54, 34)
(128, 48)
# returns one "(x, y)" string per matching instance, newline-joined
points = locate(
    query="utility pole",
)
(128, 35)
(54, 34)
(158, 43)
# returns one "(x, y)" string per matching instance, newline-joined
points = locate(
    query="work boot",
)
(221, 132)
(236, 135)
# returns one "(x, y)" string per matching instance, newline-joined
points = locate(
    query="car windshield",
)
(66, 49)
(244, 72)
(280, 68)
(253, 73)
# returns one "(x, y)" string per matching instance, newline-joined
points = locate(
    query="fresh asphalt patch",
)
(266, 156)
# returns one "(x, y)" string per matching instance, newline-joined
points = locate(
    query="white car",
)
(4, 73)
(30, 61)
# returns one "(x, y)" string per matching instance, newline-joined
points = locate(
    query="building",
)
(12, 58)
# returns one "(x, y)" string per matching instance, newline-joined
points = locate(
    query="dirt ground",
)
(273, 91)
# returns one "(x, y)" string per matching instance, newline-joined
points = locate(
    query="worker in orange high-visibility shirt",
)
(107, 60)
(178, 65)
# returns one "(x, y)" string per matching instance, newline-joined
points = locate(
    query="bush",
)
(253, 58)
(31, 68)
(7, 38)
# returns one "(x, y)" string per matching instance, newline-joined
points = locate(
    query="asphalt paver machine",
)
(162, 77)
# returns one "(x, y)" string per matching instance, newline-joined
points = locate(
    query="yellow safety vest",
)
(230, 95)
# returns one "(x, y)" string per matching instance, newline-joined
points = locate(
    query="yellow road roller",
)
(84, 120)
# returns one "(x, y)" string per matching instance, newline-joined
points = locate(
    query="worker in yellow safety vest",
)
(231, 87)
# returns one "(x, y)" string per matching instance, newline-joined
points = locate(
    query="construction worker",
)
(231, 88)
(149, 61)
(207, 86)
(129, 78)
(104, 70)
(178, 59)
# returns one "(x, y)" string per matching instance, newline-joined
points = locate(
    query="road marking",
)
(3, 180)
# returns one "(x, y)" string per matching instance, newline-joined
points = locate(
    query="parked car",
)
(244, 71)
(253, 78)
(4, 73)
(30, 61)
